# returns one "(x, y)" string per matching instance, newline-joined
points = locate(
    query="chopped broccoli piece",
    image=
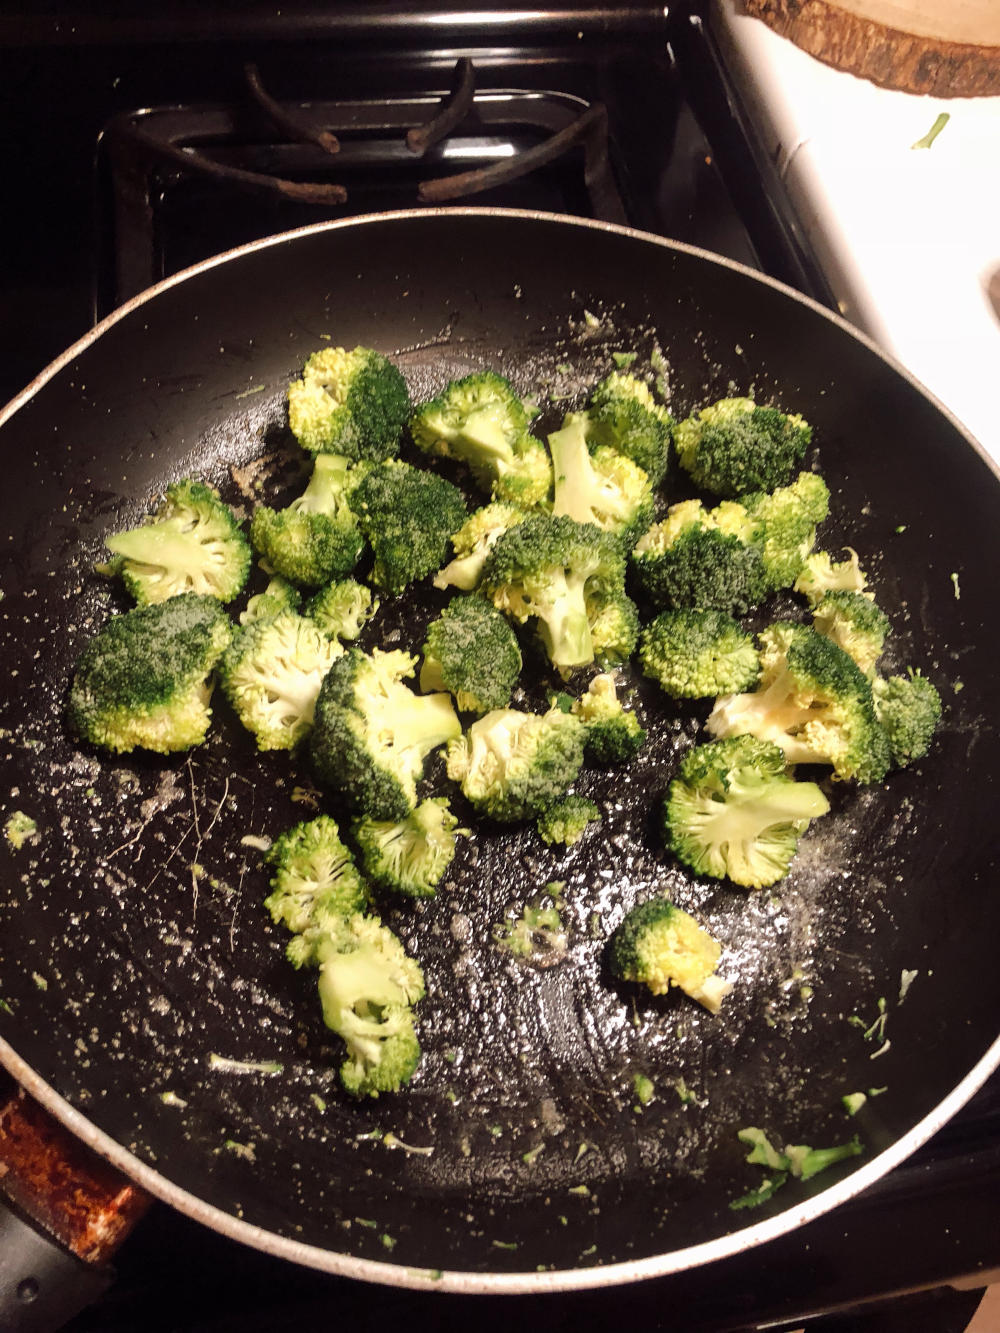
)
(142, 682)
(408, 516)
(409, 856)
(472, 544)
(733, 446)
(481, 421)
(614, 626)
(705, 558)
(786, 520)
(19, 829)
(602, 487)
(547, 569)
(513, 765)
(278, 596)
(342, 609)
(762, 1150)
(472, 652)
(814, 701)
(191, 543)
(271, 674)
(807, 1162)
(732, 812)
(694, 654)
(566, 820)
(537, 934)
(315, 880)
(368, 987)
(821, 574)
(853, 1102)
(855, 623)
(317, 537)
(764, 1191)
(612, 733)
(351, 403)
(908, 709)
(645, 1088)
(624, 416)
(372, 733)
(659, 946)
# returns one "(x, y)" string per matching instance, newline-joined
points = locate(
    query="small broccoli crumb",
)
(530, 1156)
(19, 829)
(171, 1099)
(958, 591)
(644, 1087)
(906, 979)
(39, 981)
(537, 934)
(317, 1101)
(853, 1102)
(623, 359)
(224, 1065)
(566, 821)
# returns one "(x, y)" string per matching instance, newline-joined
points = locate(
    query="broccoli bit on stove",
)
(372, 733)
(734, 446)
(695, 654)
(481, 421)
(814, 701)
(853, 621)
(353, 403)
(408, 516)
(191, 543)
(409, 856)
(657, 945)
(796, 1160)
(908, 708)
(315, 880)
(271, 674)
(600, 486)
(368, 987)
(472, 652)
(316, 538)
(144, 681)
(613, 734)
(623, 415)
(733, 812)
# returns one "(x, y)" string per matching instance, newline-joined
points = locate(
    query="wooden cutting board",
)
(947, 48)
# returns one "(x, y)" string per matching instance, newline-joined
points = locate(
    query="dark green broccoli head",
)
(372, 734)
(191, 543)
(732, 812)
(614, 627)
(315, 881)
(472, 652)
(602, 487)
(409, 856)
(659, 946)
(694, 654)
(855, 623)
(317, 537)
(689, 560)
(353, 403)
(548, 569)
(734, 446)
(566, 820)
(512, 765)
(613, 733)
(408, 516)
(908, 708)
(143, 681)
(786, 521)
(624, 416)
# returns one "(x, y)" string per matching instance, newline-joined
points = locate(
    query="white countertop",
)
(909, 238)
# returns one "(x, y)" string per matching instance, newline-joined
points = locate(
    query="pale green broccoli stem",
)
(769, 714)
(563, 624)
(325, 492)
(574, 474)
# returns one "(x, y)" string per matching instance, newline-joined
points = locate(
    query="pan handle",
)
(64, 1211)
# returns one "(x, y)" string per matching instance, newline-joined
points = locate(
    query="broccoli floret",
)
(408, 516)
(317, 537)
(734, 446)
(472, 544)
(786, 520)
(614, 626)
(271, 675)
(481, 421)
(315, 880)
(624, 416)
(372, 733)
(732, 812)
(603, 487)
(19, 829)
(694, 654)
(855, 623)
(278, 596)
(512, 765)
(368, 987)
(821, 574)
(908, 709)
(352, 403)
(472, 652)
(566, 820)
(705, 558)
(812, 700)
(143, 681)
(548, 569)
(190, 543)
(537, 933)
(409, 856)
(612, 733)
(659, 946)
(342, 609)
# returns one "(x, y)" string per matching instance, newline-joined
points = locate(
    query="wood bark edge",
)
(886, 56)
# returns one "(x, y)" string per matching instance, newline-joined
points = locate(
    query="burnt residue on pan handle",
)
(63, 1213)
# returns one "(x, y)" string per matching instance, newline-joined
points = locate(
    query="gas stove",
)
(137, 146)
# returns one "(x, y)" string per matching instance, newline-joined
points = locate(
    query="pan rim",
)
(462, 1281)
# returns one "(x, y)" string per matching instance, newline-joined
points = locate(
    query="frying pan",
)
(147, 1004)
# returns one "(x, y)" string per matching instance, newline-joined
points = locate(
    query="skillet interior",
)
(119, 978)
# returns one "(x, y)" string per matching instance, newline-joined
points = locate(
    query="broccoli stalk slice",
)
(606, 489)
(563, 622)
